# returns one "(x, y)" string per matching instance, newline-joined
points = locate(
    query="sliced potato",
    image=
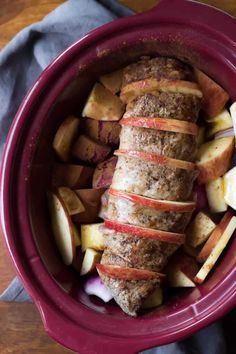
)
(213, 158)
(72, 176)
(103, 173)
(65, 136)
(199, 229)
(103, 105)
(91, 258)
(62, 228)
(215, 195)
(216, 252)
(76, 234)
(112, 81)
(92, 237)
(154, 299)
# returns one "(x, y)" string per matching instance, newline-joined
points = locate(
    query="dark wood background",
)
(21, 331)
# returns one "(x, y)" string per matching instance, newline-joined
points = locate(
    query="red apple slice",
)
(62, 227)
(126, 273)
(216, 251)
(164, 205)
(165, 236)
(159, 159)
(181, 271)
(171, 125)
(215, 236)
(213, 158)
(138, 88)
(214, 96)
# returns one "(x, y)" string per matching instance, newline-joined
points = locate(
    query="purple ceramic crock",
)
(194, 32)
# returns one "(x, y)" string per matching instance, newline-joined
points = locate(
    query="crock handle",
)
(79, 339)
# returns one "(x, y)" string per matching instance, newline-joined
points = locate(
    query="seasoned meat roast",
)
(150, 200)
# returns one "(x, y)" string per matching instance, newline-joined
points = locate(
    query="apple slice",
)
(171, 125)
(199, 229)
(229, 182)
(62, 228)
(92, 237)
(72, 176)
(130, 91)
(65, 136)
(106, 132)
(88, 150)
(215, 195)
(164, 205)
(126, 273)
(216, 251)
(232, 110)
(112, 81)
(91, 199)
(215, 236)
(139, 231)
(213, 158)
(159, 159)
(181, 271)
(103, 105)
(221, 122)
(76, 235)
(103, 173)
(153, 300)
(91, 258)
(71, 200)
(214, 96)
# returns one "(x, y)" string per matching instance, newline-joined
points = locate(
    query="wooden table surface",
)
(21, 330)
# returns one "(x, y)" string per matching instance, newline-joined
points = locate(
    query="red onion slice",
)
(95, 286)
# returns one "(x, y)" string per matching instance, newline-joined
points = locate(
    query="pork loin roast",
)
(155, 164)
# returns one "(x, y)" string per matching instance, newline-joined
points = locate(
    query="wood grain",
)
(22, 331)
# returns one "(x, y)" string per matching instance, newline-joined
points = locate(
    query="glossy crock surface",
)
(195, 33)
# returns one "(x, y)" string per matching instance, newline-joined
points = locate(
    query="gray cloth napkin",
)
(21, 61)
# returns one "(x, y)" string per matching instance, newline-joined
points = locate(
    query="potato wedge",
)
(199, 229)
(92, 237)
(216, 252)
(213, 158)
(91, 199)
(72, 176)
(91, 258)
(103, 105)
(215, 195)
(88, 150)
(71, 200)
(65, 136)
(112, 81)
(62, 228)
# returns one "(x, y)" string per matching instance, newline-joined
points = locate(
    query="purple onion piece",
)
(95, 286)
